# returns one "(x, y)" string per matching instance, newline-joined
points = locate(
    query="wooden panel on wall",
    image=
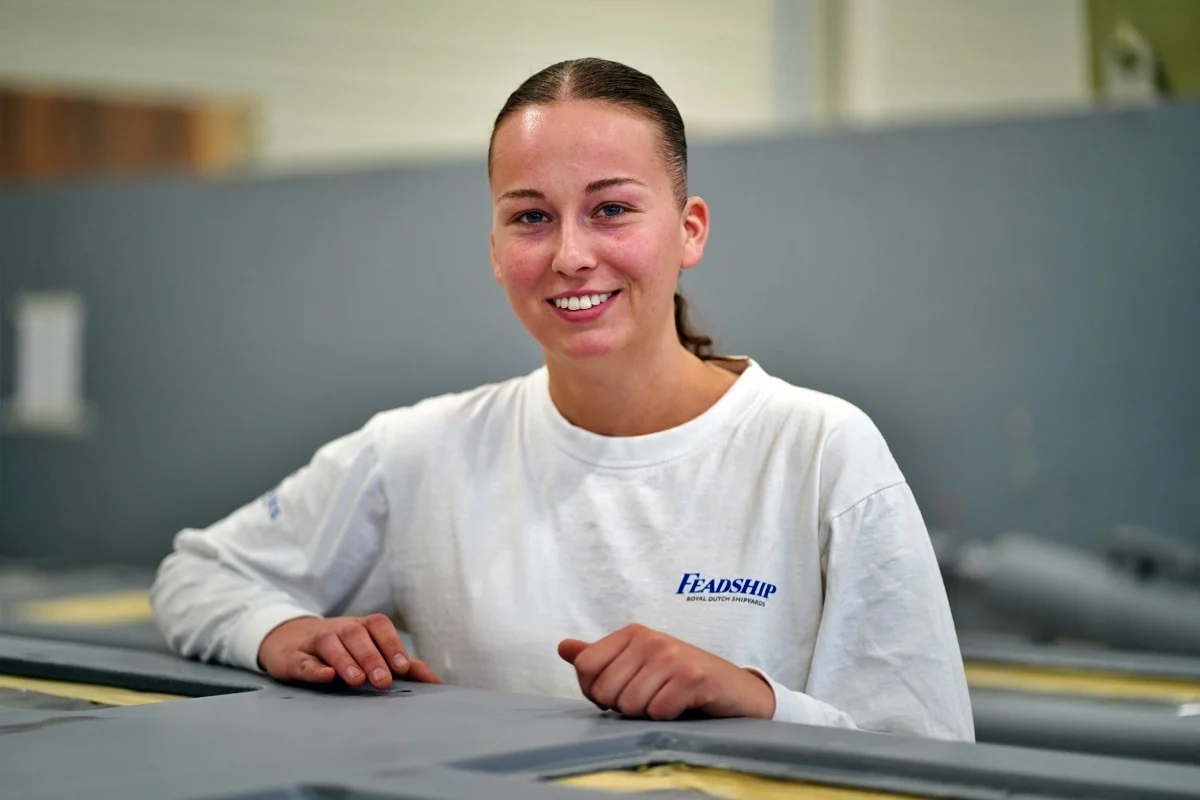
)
(48, 134)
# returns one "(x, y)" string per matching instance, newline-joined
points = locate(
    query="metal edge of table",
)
(447, 742)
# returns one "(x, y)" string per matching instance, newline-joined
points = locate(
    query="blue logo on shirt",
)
(728, 590)
(272, 500)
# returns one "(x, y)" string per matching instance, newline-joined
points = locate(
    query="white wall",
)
(904, 59)
(384, 78)
(342, 80)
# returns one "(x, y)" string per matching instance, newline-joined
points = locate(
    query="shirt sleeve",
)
(310, 547)
(886, 657)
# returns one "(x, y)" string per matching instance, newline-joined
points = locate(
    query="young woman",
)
(639, 521)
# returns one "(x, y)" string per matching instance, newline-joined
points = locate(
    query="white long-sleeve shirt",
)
(774, 530)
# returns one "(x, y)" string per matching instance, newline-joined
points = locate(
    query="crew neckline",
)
(647, 449)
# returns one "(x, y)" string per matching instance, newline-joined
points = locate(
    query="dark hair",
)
(611, 82)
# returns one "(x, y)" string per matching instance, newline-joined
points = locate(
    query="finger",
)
(612, 680)
(420, 671)
(329, 648)
(569, 649)
(634, 699)
(362, 647)
(310, 669)
(389, 643)
(592, 661)
(670, 701)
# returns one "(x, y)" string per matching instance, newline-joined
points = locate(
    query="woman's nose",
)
(573, 252)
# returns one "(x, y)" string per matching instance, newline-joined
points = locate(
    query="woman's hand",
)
(358, 649)
(645, 673)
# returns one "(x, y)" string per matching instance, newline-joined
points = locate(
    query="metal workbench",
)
(1138, 727)
(243, 735)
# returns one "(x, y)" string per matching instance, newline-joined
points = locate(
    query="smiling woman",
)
(551, 533)
(623, 216)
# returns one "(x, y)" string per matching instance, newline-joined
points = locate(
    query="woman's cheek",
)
(640, 257)
(522, 261)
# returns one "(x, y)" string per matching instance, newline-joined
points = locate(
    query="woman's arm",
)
(306, 549)
(886, 656)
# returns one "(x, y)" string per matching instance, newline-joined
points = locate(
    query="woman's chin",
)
(584, 346)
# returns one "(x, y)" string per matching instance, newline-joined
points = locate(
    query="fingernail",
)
(379, 674)
(352, 673)
(400, 661)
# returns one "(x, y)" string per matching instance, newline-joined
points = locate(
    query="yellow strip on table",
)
(1080, 682)
(105, 695)
(717, 783)
(107, 608)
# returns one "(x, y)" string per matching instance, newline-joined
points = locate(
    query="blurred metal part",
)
(1149, 554)
(1085, 725)
(1006, 649)
(1058, 591)
(1129, 67)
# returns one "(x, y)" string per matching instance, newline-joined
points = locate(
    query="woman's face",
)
(587, 235)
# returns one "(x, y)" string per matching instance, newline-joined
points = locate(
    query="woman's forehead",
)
(574, 136)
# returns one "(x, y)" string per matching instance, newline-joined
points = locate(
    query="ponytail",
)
(696, 343)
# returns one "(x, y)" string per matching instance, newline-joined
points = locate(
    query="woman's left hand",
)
(646, 673)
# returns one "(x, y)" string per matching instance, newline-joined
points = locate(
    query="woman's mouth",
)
(582, 302)
(583, 308)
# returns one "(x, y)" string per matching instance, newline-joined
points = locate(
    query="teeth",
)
(581, 303)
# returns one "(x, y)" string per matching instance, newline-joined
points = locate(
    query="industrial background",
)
(231, 232)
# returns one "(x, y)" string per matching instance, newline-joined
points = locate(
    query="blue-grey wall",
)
(949, 280)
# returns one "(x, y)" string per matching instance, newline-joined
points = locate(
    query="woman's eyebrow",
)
(608, 183)
(594, 186)
(521, 194)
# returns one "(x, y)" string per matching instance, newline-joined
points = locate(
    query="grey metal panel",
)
(126, 669)
(940, 277)
(441, 742)
(143, 636)
(1090, 725)
(1140, 729)
(22, 583)
(977, 647)
(1069, 592)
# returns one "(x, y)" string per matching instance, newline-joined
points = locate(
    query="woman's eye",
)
(532, 218)
(611, 210)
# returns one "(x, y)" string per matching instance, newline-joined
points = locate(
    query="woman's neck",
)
(637, 395)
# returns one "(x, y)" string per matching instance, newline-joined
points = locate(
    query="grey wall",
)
(941, 278)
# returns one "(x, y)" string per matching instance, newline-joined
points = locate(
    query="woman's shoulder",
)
(814, 412)
(852, 457)
(453, 414)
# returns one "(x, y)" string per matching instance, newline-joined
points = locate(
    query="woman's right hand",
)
(357, 649)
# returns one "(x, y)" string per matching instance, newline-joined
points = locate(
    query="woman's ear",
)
(695, 231)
